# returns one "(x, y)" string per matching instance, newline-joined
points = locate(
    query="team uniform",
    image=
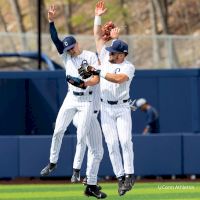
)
(116, 114)
(96, 150)
(77, 101)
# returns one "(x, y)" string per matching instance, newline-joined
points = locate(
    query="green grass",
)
(141, 191)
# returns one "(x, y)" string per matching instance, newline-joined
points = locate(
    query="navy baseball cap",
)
(69, 42)
(118, 46)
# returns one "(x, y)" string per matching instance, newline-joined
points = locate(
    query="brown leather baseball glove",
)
(106, 28)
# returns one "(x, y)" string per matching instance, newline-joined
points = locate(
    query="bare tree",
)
(125, 16)
(33, 13)
(153, 19)
(16, 10)
(2, 21)
(44, 23)
(162, 10)
(68, 15)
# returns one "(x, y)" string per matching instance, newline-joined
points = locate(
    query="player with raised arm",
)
(116, 75)
(79, 99)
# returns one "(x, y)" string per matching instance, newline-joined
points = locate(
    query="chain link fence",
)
(146, 52)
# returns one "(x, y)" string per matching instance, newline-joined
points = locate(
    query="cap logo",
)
(66, 43)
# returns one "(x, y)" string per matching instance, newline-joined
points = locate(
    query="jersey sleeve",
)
(103, 54)
(54, 37)
(129, 70)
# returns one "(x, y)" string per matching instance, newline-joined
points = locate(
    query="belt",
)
(95, 111)
(115, 102)
(81, 93)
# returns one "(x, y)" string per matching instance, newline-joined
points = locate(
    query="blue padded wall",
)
(34, 155)
(175, 100)
(12, 106)
(174, 93)
(166, 154)
(191, 154)
(43, 105)
(30, 100)
(158, 154)
(9, 156)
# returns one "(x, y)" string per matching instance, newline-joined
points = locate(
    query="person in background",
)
(152, 118)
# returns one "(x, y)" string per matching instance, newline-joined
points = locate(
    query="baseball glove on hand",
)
(93, 71)
(106, 28)
(83, 70)
(76, 82)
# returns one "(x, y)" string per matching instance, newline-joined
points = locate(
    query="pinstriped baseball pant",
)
(117, 128)
(95, 150)
(69, 108)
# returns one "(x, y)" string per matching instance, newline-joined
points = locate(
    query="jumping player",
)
(78, 100)
(116, 76)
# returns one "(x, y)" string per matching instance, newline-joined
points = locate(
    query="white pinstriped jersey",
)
(73, 63)
(113, 91)
(96, 97)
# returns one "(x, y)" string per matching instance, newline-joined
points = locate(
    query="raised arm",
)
(99, 11)
(52, 29)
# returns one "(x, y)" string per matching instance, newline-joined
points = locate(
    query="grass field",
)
(143, 191)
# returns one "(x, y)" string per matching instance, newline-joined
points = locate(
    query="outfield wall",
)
(30, 101)
(166, 154)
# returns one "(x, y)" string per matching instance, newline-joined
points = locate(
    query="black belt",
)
(81, 93)
(114, 102)
(95, 111)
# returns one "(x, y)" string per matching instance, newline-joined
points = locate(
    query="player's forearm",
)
(93, 81)
(97, 27)
(146, 130)
(98, 34)
(54, 36)
(116, 78)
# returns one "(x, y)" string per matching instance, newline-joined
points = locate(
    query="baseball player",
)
(78, 100)
(95, 128)
(152, 117)
(116, 75)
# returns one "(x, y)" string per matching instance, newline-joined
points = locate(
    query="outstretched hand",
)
(114, 33)
(100, 8)
(51, 13)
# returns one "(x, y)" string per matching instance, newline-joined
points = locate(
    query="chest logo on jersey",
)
(117, 70)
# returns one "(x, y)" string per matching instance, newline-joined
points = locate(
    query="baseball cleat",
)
(120, 185)
(48, 169)
(76, 176)
(93, 191)
(128, 182)
(85, 183)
